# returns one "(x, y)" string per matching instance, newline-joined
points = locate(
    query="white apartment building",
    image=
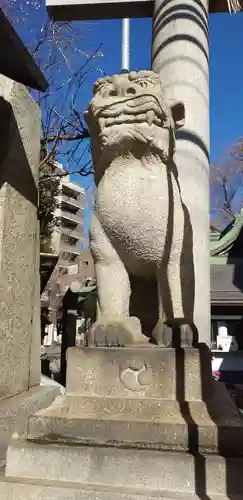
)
(67, 239)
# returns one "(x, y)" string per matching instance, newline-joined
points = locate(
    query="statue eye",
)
(112, 93)
(131, 90)
(143, 84)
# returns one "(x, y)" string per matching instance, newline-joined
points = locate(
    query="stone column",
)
(19, 240)
(180, 56)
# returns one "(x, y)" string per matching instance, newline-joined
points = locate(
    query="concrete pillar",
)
(180, 56)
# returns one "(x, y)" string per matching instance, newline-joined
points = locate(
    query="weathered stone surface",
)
(165, 425)
(35, 362)
(19, 242)
(14, 411)
(140, 472)
(12, 490)
(138, 225)
(139, 372)
(115, 438)
(151, 424)
(142, 398)
(15, 60)
(111, 330)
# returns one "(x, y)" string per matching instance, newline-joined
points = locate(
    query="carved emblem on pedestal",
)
(136, 375)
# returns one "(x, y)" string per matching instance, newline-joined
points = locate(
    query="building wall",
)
(68, 238)
(67, 242)
(84, 268)
(227, 283)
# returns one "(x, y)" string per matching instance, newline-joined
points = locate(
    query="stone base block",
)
(10, 490)
(14, 411)
(151, 424)
(145, 372)
(142, 398)
(111, 436)
(138, 473)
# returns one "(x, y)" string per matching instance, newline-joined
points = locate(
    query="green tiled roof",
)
(222, 244)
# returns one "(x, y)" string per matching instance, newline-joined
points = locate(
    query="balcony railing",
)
(71, 201)
(75, 189)
(74, 233)
(74, 249)
(69, 216)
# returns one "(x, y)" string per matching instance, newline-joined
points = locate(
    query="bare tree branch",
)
(60, 50)
(226, 182)
(81, 171)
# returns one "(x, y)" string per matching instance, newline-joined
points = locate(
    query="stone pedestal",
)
(139, 422)
(142, 398)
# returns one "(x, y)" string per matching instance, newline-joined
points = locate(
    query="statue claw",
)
(116, 332)
(175, 333)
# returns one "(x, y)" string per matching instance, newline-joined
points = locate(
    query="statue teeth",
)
(150, 117)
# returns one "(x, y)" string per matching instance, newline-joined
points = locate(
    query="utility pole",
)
(125, 63)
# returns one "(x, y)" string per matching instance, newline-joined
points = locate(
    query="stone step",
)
(25, 490)
(141, 423)
(85, 420)
(141, 472)
(15, 411)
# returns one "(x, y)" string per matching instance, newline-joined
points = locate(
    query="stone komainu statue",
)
(138, 222)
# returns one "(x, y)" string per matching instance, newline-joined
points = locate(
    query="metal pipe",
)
(125, 45)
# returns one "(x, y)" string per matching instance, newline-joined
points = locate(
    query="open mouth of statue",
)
(143, 110)
(150, 118)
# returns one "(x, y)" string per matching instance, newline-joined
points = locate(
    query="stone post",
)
(180, 56)
(69, 325)
(19, 240)
(21, 389)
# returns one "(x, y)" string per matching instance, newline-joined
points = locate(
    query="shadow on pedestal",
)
(227, 434)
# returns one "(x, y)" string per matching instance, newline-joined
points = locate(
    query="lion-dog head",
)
(128, 113)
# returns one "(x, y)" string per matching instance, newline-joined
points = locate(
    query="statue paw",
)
(175, 333)
(116, 332)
